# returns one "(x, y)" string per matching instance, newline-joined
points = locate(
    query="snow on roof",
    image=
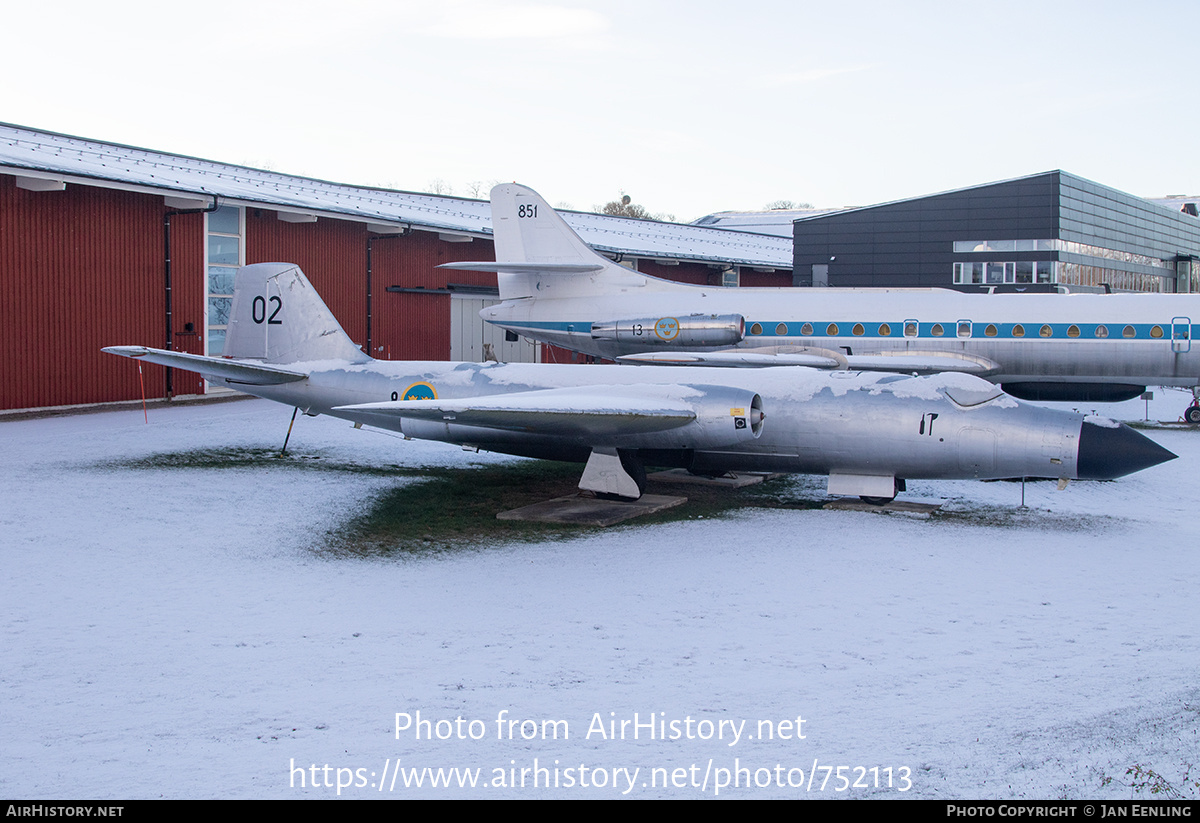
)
(772, 221)
(57, 154)
(1186, 203)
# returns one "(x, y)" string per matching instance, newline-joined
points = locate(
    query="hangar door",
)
(469, 332)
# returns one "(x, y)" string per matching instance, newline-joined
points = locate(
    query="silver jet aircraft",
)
(1084, 347)
(868, 432)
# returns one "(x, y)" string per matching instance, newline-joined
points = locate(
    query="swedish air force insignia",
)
(666, 328)
(420, 391)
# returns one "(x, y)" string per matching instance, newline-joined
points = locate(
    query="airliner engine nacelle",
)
(685, 330)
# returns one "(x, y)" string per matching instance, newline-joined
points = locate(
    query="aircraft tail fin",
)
(537, 250)
(527, 230)
(278, 317)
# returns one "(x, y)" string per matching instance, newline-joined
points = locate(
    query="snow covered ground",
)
(179, 632)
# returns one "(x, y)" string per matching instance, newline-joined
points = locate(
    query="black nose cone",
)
(1108, 450)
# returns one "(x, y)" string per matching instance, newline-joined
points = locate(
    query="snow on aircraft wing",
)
(742, 358)
(234, 371)
(585, 411)
(902, 362)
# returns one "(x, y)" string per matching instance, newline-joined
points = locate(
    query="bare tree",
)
(778, 205)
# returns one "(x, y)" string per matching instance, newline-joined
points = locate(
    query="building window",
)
(1003, 273)
(225, 253)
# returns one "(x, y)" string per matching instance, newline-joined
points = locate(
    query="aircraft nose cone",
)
(1108, 451)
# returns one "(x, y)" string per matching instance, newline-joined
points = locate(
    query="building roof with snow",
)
(47, 158)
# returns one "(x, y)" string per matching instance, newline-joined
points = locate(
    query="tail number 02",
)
(258, 310)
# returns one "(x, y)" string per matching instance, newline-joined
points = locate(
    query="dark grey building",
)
(1034, 233)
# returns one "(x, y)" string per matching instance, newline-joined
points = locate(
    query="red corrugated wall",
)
(81, 269)
(333, 254)
(414, 326)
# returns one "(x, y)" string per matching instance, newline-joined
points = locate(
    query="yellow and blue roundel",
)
(420, 391)
(667, 329)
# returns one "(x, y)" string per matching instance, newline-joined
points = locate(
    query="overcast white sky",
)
(690, 107)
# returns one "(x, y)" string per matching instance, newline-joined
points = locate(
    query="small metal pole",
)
(283, 451)
(142, 382)
(1022, 492)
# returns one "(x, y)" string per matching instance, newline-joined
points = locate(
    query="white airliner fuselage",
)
(1097, 347)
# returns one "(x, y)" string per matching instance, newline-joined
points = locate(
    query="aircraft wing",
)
(233, 371)
(586, 411)
(739, 358)
(902, 362)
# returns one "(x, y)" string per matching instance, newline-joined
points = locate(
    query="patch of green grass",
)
(455, 508)
(436, 509)
(260, 458)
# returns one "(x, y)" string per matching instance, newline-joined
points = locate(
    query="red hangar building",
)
(104, 244)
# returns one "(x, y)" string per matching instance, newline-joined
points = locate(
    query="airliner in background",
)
(1074, 347)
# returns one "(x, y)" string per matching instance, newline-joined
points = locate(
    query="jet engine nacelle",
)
(725, 417)
(687, 330)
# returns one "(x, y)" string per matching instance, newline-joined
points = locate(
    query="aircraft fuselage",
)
(1132, 339)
